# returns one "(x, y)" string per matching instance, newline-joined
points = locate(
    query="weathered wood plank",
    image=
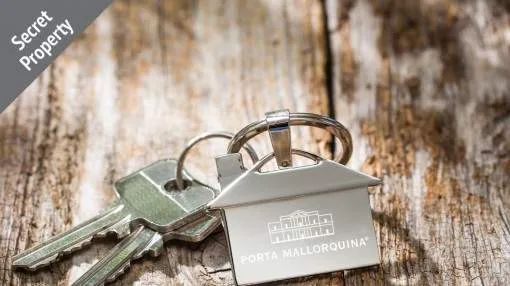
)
(424, 88)
(142, 80)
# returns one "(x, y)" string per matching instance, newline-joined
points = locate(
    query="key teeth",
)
(120, 230)
(117, 233)
(119, 272)
(52, 259)
(154, 249)
(76, 247)
(56, 257)
(75, 238)
(36, 266)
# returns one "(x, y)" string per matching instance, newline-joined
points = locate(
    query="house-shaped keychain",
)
(295, 221)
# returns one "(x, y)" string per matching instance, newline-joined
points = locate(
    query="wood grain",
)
(424, 88)
(422, 85)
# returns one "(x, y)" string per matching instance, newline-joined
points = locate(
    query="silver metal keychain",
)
(150, 210)
(295, 221)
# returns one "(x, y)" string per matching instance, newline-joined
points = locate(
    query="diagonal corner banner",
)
(33, 33)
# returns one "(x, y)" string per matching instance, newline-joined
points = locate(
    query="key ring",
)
(208, 135)
(307, 119)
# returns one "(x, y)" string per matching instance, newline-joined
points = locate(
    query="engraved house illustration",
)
(295, 221)
(301, 225)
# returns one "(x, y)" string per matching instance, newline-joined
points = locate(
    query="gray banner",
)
(33, 33)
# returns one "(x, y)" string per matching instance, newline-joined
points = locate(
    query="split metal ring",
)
(208, 135)
(301, 119)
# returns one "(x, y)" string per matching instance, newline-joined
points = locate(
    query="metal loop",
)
(299, 152)
(208, 135)
(307, 119)
(279, 132)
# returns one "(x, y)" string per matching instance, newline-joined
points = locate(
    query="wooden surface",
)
(422, 85)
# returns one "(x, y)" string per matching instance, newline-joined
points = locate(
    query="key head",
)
(144, 195)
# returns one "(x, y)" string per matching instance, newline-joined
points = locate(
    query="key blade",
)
(71, 240)
(120, 257)
(141, 242)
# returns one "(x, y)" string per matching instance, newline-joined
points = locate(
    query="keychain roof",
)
(304, 179)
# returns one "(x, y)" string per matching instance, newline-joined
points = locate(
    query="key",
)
(140, 242)
(141, 200)
(144, 240)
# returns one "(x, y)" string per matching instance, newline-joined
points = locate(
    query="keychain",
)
(294, 221)
(291, 222)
